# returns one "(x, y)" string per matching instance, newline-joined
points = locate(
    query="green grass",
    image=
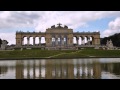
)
(37, 53)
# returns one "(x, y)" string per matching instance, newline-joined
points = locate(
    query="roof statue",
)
(65, 26)
(59, 25)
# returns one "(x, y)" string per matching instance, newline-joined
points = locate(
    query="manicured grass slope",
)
(37, 53)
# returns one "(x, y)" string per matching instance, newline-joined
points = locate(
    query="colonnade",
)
(59, 41)
(84, 40)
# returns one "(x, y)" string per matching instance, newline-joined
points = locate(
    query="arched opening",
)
(83, 41)
(36, 40)
(80, 40)
(65, 40)
(31, 40)
(86, 40)
(91, 40)
(59, 40)
(24, 41)
(74, 40)
(43, 40)
(53, 41)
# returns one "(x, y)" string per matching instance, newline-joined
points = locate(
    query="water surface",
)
(89, 68)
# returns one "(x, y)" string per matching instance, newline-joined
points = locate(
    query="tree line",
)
(3, 40)
(115, 39)
(0, 42)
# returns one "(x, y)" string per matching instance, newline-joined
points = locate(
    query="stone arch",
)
(25, 40)
(59, 39)
(91, 40)
(36, 40)
(86, 40)
(43, 40)
(53, 40)
(30, 40)
(65, 40)
(80, 40)
(75, 38)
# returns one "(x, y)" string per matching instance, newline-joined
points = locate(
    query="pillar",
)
(22, 41)
(51, 41)
(39, 40)
(88, 41)
(83, 41)
(28, 40)
(62, 41)
(56, 41)
(66, 42)
(33, 41)
(77, 40)
(97, 41)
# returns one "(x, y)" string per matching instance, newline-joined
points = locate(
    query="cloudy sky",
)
(107, 22)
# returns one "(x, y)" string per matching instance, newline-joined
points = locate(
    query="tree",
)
(115, 40)
(0, 42)
(5, 41)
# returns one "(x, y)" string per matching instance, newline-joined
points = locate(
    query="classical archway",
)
(25, 41)
(30, 40)
(37, 41)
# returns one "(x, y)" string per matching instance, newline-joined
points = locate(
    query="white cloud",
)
(41, 20)
(10, 37)
(113, 27)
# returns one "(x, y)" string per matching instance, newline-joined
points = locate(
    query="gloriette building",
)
(58, 38)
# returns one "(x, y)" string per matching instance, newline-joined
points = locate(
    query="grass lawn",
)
(37, 53)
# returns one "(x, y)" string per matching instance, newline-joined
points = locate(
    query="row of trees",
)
(4, 41)
(0, 42)
(115, 39)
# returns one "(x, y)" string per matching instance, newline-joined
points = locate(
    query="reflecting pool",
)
(84, 68)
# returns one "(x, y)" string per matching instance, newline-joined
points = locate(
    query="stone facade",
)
(57, 37)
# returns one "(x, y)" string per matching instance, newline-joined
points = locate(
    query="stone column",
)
(67, 41)
(56, 41)
(96, 41)
(88, 41)
(22, 41)
(77, 41)
(83, 41)
(51, 41)
(33, 41)
(39, 40)
(28, 40)
(62, 41)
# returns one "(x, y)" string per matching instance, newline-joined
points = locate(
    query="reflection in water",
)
(3, 69)
(60, 69)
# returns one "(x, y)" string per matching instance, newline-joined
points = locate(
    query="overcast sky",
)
(107, 22)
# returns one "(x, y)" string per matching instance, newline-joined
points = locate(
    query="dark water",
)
(94, 68)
